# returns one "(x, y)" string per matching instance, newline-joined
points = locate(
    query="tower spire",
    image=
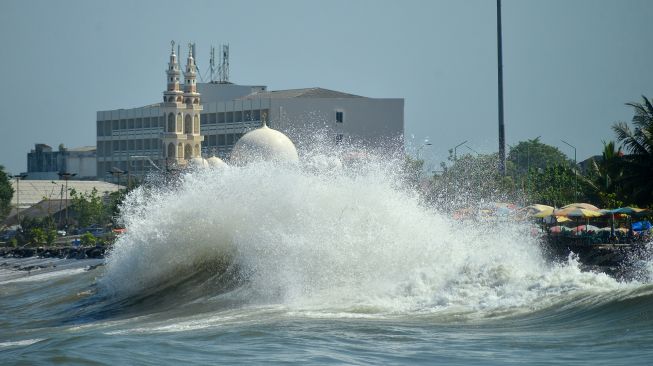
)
(172, 91)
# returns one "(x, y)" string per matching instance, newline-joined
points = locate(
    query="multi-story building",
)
(43, 163)
(208, 118)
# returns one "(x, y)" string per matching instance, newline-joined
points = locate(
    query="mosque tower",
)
(192, 147)
(181, 136)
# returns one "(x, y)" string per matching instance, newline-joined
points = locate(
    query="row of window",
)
(107, 148)
(221, 140)
(233, 117)
(105, 128)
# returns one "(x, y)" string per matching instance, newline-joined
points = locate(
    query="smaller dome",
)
(264, 144)
(198, 163)
(215, 162)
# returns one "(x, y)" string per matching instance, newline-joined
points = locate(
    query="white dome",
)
(264, 144)
(198, 163)
(215, 162)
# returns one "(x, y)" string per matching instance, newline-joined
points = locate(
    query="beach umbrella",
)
(539, 210)
(633, 211)
(576, 212)
(585, 206)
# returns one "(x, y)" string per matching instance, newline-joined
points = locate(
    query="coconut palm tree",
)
(637, 176)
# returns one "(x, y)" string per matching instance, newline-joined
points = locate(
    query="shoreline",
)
(64, 252)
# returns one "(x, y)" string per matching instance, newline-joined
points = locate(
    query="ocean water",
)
(317, 264)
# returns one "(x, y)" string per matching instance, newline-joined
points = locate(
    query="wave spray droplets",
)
(327, 239)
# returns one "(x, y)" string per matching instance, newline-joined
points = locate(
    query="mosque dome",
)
(264, 144)
(215, 162)
(198, 163)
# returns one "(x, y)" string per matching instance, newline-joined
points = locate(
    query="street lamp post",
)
(575, 172)
(472, 150)
(455, 157)
(18, 177)
(66, 176)
(116, 172)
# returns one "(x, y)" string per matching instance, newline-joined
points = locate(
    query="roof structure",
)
(82, 148)
(40, 210)
(300, 93)
(31, 192)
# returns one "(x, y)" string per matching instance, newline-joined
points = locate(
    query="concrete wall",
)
(374, 123)
(84, 165)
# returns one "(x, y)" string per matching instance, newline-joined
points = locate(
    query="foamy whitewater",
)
(329, 262)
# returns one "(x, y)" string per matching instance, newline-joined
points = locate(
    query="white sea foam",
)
(21, 343)
(323, 237)
(42, 276)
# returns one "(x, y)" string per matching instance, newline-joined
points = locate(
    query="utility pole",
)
(66, 176)
(18, 177)
(502, 131)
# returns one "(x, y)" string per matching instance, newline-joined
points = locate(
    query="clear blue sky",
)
(569, 65)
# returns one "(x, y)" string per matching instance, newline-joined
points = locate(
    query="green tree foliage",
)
(6, 193)
(533, 154)
(605, 176)
(88, 207)
(412, 171)
(88, 239)
(637, 178)
(557, 185)
(469, 181)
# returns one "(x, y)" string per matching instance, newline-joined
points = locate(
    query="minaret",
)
(178, 145)
(172, 94)
(193, 145)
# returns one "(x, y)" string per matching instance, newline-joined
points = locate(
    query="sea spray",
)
(331, 236)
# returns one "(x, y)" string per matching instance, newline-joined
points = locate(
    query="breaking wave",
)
(332, 238)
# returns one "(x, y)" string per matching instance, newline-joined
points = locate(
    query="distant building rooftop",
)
(300, 93)
(33, 191)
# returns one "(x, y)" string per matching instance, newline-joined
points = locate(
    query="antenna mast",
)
(223, 70)
(212, 63)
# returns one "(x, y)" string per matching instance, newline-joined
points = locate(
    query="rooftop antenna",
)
(212, 63)
(193, 50)
(223, 70)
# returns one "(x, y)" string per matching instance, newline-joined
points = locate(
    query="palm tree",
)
(606, 174)
(637, 176)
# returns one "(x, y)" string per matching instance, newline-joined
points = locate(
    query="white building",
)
(44, 163)
(169, 133)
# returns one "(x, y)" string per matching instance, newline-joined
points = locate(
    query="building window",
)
(338, 138)
(171, 122)
(221, 140)
(340, 116)
(188, 126)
